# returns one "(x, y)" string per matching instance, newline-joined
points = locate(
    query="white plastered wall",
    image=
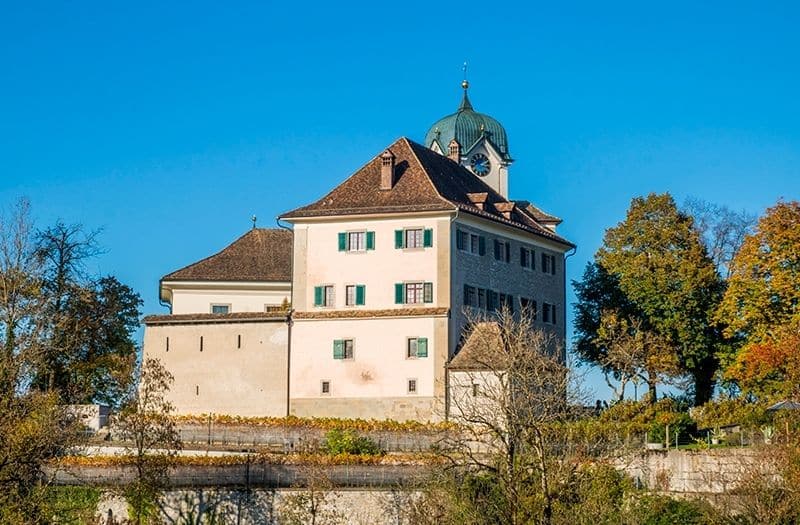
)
(318, 261)
(224, 378)
(193, 298)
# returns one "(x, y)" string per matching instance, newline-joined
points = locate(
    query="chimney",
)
(454, 152)
(387, 170)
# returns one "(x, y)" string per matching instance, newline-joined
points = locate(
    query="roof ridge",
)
(353, 174)
(281, 231)
(410, 143)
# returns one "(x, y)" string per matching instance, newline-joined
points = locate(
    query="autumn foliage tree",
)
(654, 272)
(761, 306)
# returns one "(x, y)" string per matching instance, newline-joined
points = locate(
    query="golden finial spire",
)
(465, 103)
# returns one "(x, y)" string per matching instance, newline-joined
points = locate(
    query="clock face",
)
(480, 164)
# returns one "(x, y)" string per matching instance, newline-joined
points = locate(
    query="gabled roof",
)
(261, 254)
(425, 181)
(482, 350)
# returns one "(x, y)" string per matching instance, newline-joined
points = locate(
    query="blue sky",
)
(169, 124)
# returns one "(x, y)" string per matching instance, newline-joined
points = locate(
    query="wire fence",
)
(252, 475)
(291, 439)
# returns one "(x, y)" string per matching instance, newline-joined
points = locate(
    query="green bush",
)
(663, 510)
(348, 442)
(72, 505)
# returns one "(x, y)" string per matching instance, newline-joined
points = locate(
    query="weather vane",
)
(253, 218)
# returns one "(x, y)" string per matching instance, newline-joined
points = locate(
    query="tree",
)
(509, 399)
(34, 430)
(87, 351)
(635, 353)
(653, 270)
(612, 334)
(764, 287)
(761, 306)
(152, 436)
(721, 229)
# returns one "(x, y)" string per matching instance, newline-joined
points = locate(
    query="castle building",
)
(357, 310)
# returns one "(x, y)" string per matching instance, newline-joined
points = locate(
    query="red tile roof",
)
(261, 254)
(237, 317)
(425, 181)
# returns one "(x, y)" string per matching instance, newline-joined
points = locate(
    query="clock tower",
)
(475, 140)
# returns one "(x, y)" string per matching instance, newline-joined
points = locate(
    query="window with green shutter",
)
(360, 293)
(399, 293)
(370, 240)
(428, 293)
(318, 296)
(342, 241)
(428, 238)
(338, 349)
(422, 347)
(398, 239)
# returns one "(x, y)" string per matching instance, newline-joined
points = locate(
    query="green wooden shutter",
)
(318, 296)
(427, 238)
(533, 260)
(508, 253)
(398, 239)
(370, 240)
(338, 349)
(427, 292)
(459, 239)
(398, 293)
(342, 242)
(360, 289)
(497, 250)
(553, 265)
(422, 347)
(481, 245)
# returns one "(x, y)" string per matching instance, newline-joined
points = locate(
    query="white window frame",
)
(325, 302)
(352, 342)
(322, 387)
(347, 289)
(408, 347)
(418, 236)
(421, 293)
(361, 236)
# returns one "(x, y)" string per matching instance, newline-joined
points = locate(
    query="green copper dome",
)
(467, 126)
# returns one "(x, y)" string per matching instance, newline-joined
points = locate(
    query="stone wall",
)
(716, 471)
(266, 507)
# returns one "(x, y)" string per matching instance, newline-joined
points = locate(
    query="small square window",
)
(412, 386)
(220, 308)
(476, 389)
(325, 388)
